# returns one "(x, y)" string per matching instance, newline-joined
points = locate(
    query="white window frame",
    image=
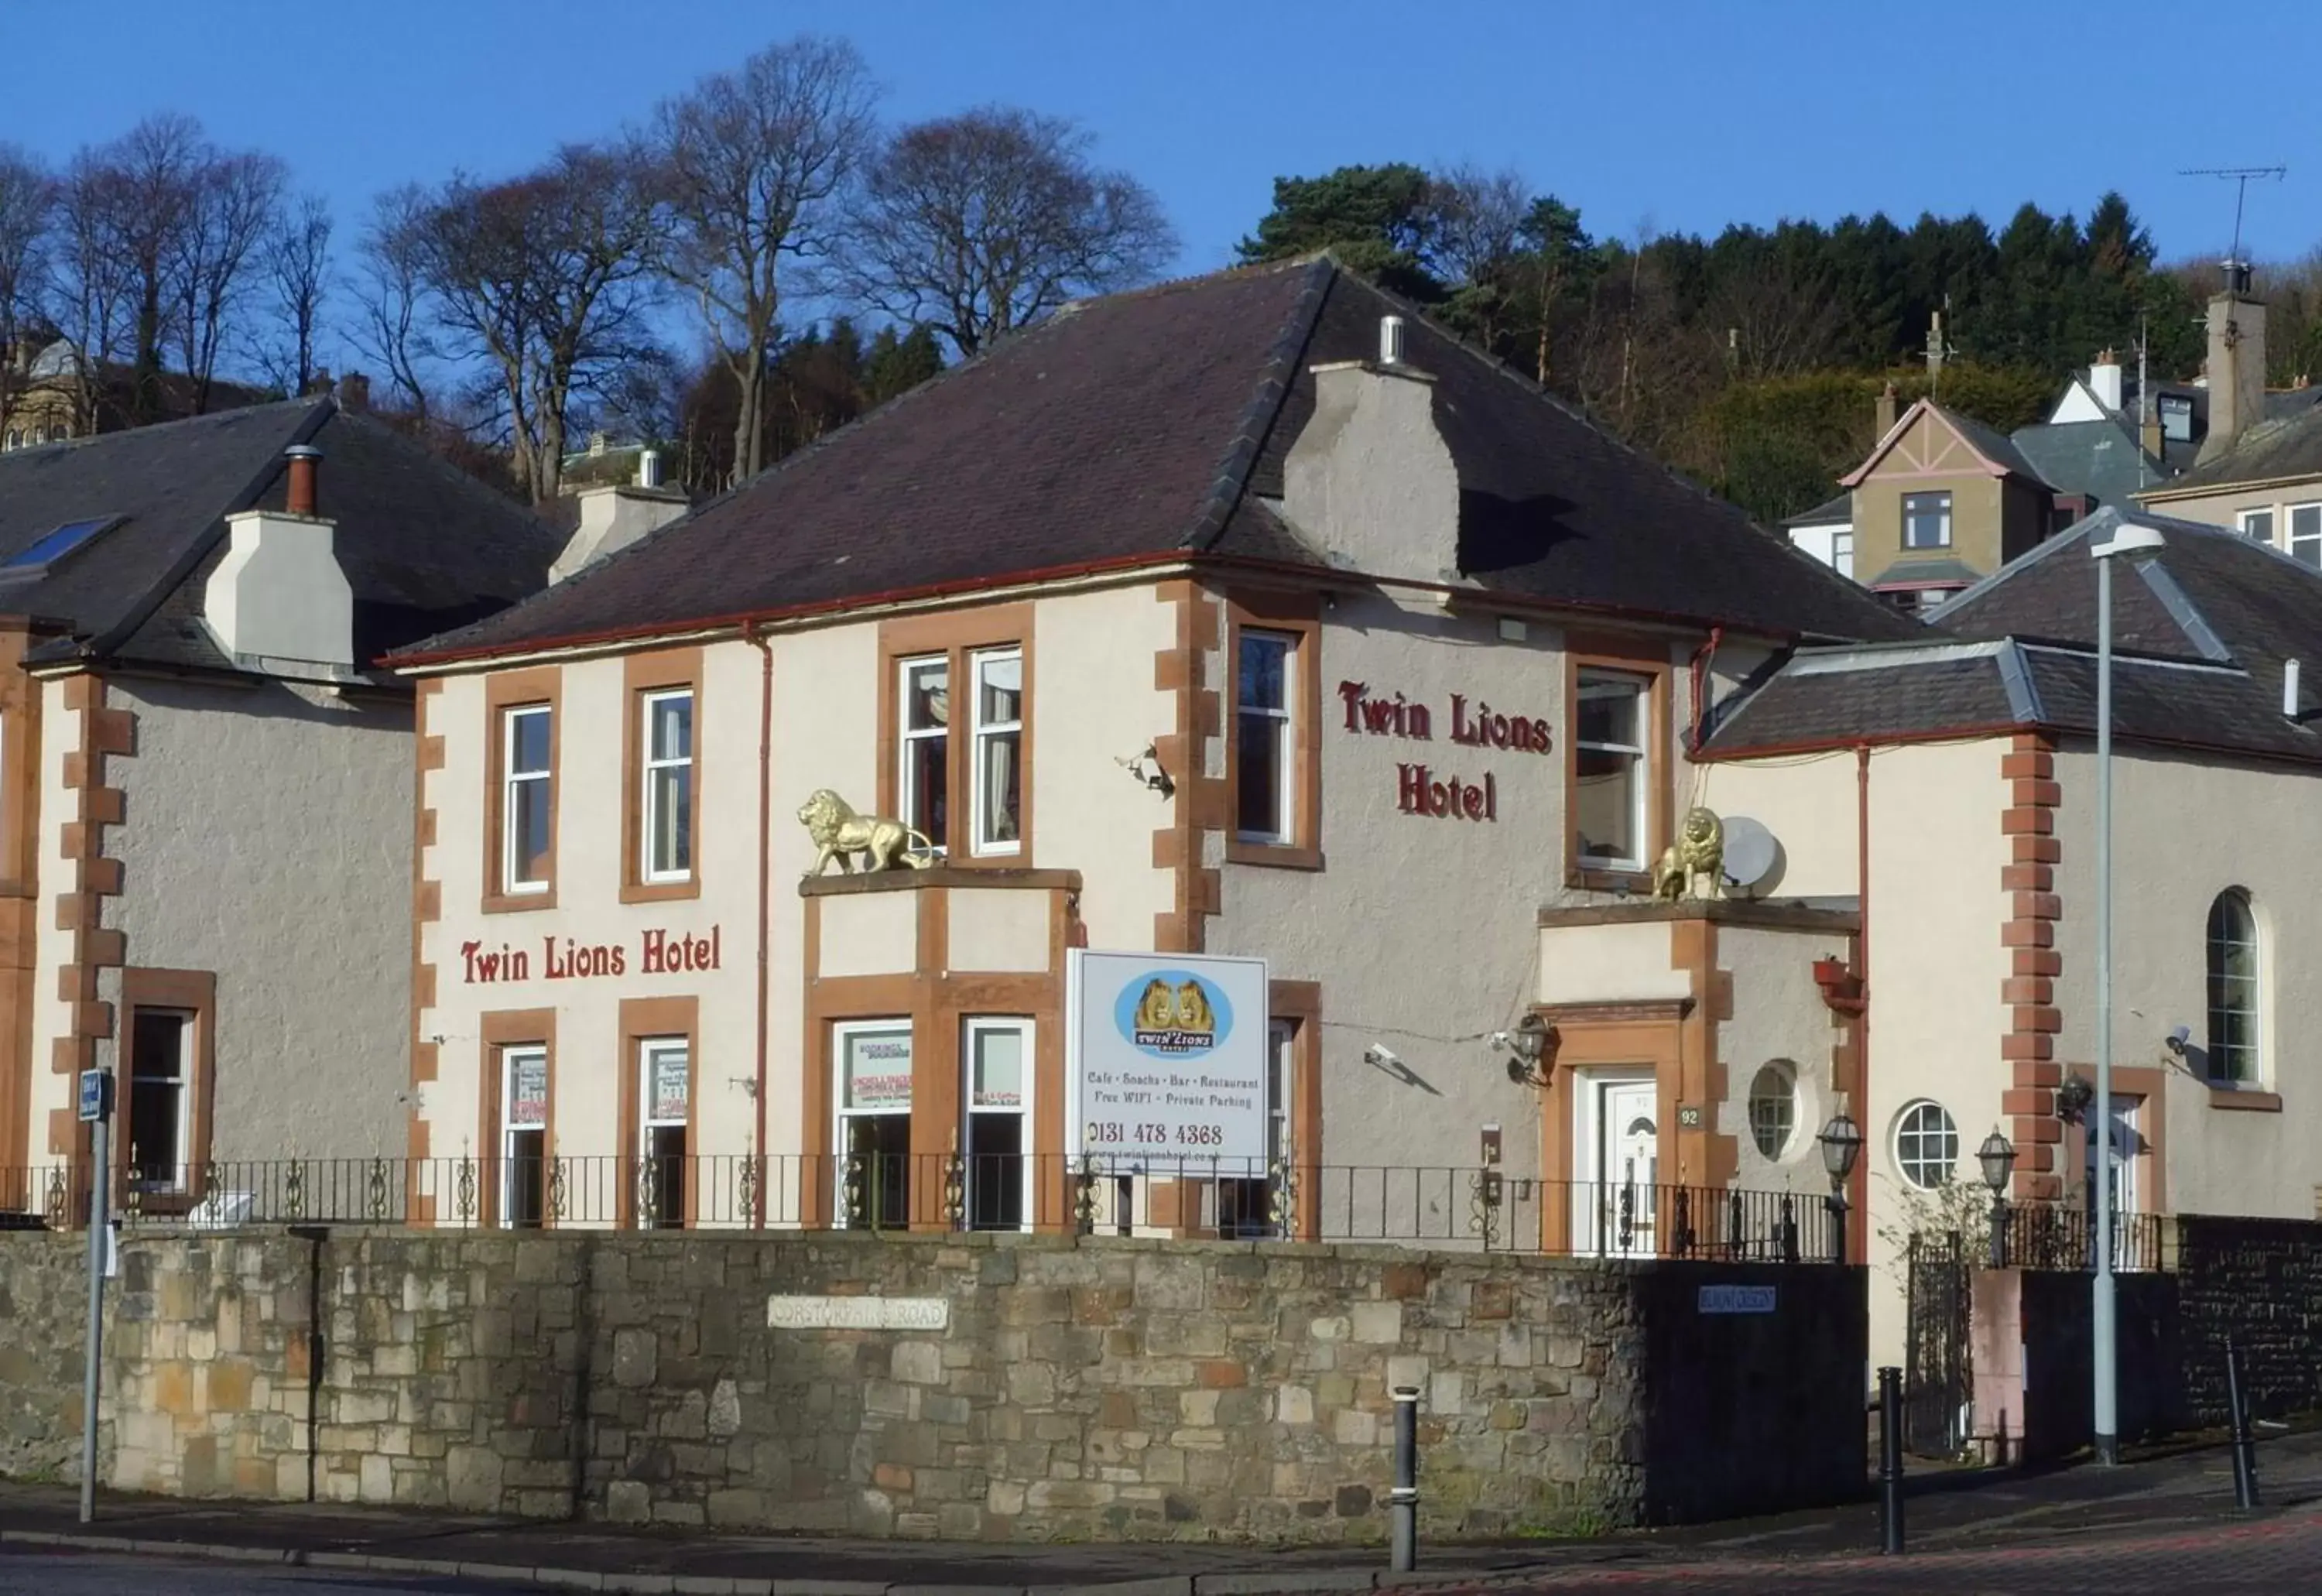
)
(1026, 1188)
(1285, 832)
(1842, 553)
(2263, 533)
(1640, 795)
(510, 1055)
(982, 736)
(2211, 948)
(651, 1051)
(1941, 493)
(1904, 1122)
(511, 782)
(649, 808)
(841, 1033)
(2296, 540)
(908, 795)
(176, 1181)
(1787, 1074)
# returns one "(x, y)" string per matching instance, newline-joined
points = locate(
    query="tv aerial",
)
(2240, 177)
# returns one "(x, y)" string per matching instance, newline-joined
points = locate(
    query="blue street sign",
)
(93, 1096)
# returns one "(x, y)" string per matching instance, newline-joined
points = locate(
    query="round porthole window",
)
(1926, 1144)
(1774, 1108)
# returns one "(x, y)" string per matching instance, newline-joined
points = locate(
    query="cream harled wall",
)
(1092, 699)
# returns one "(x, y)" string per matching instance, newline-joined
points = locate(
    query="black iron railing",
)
(1217, 1198)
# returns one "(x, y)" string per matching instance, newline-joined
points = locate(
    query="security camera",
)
(2178, 1036)
(1376, 1055)
(1499, 1042)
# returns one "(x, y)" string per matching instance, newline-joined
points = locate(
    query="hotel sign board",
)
(1166, 1062)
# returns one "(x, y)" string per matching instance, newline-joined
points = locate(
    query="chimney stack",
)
(1885, 410)
(2237, 361)
(354, 392)
(303, 459)
(2104, 380)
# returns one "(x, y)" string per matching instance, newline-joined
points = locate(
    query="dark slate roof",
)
(2202, 628)
(1905, 573)
(2100, 459)
(1837, 511)
(1147, 426)
(424, 545)
(1994, 447)
(2288, 445)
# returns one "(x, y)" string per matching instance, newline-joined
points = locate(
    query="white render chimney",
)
(2104, 381)
(615, 517)
(1390, 340)
(278, 600)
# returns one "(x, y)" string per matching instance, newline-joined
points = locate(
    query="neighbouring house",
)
(1826, 533)
(51, 395)
(1250, 617)
(207, 785)
(1948, 788)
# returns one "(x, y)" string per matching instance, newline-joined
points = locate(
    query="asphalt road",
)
(68, 1573)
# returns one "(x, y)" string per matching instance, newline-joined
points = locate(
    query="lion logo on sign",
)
(839, 832)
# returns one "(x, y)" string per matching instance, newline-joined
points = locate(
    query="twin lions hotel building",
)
(1283, 701)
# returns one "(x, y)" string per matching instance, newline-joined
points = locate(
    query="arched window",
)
(2232, 989)
(1926, 1144)
(1773, 1107)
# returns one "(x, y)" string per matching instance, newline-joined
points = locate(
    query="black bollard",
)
(1890, 1461)
(1403, 1499)
(2244, 1443)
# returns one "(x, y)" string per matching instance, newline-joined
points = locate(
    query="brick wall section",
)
(1099, 1389)
(2028, 990)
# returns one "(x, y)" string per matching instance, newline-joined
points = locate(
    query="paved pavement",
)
(2165, 1525)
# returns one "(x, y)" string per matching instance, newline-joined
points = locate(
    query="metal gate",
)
(1937, 1380)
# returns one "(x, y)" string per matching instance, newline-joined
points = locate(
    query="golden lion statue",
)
(1699, 851)
(841, 833)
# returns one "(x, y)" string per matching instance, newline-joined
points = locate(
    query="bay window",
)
(1612, 770)
(997, 750)
(524, 1137)
(997, 1143)
(666, 1085)
(923, 781)
(873, 1178)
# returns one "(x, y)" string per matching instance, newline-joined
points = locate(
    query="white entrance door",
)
(2126, 1143)
(1617, 1137)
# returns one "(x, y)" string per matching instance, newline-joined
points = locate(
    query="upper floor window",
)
(924, 782)
(1927, 520)
(997, 750)
(526, 799)
(2306, 532)
(1842, 553)
(2258, 524)
(1264, 809)
(2233, 990)
(1612, 769)
(667, 777)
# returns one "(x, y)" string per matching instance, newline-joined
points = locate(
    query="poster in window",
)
(879, 1072)
(999, 1069)
(669, 1086)
(528, 1092)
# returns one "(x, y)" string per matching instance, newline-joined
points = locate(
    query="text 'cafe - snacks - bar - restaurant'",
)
(1166, 773)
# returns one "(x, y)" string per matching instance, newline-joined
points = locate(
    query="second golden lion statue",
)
(1699, 851)
(840, 834)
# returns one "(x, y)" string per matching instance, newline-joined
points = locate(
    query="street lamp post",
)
(1997, 1157)
(2126, 539)
(1841, 1144)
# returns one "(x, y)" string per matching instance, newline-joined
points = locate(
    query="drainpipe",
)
(756, 636)
(1702, 659)
(1859, 1243)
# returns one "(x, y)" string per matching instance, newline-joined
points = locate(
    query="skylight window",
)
(50, 547)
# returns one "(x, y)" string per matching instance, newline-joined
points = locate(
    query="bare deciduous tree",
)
(296, 257)
(27, 199)
(392, 325)
(547, 280)
(234, 201)
(977, 224)
(152, 175)
(751, 163)
(95, 287)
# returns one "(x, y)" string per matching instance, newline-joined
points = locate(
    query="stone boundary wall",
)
(975, 1387)
(2258, 1281)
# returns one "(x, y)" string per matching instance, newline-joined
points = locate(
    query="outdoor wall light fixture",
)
(1155, 780)
(1841, 1145)
(2073, 1097)
(1533, 1041)
(1997, 1156)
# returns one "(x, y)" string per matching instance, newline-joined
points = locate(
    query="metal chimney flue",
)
(1390, 348)
(2290, 704)
(305, 462)
(649, 468)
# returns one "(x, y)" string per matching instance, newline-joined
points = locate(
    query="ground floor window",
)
(161, 1099)
(664, 1079)
(874, 1132)
(997, 1145)
(1926, 1144)
(524, 1136)
(1248, 1203)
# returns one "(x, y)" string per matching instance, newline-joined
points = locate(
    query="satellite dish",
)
(1751, 851)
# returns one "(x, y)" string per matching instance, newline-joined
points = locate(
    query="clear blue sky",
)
(1675, 115)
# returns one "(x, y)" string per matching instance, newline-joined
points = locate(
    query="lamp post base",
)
(2107, 1450)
